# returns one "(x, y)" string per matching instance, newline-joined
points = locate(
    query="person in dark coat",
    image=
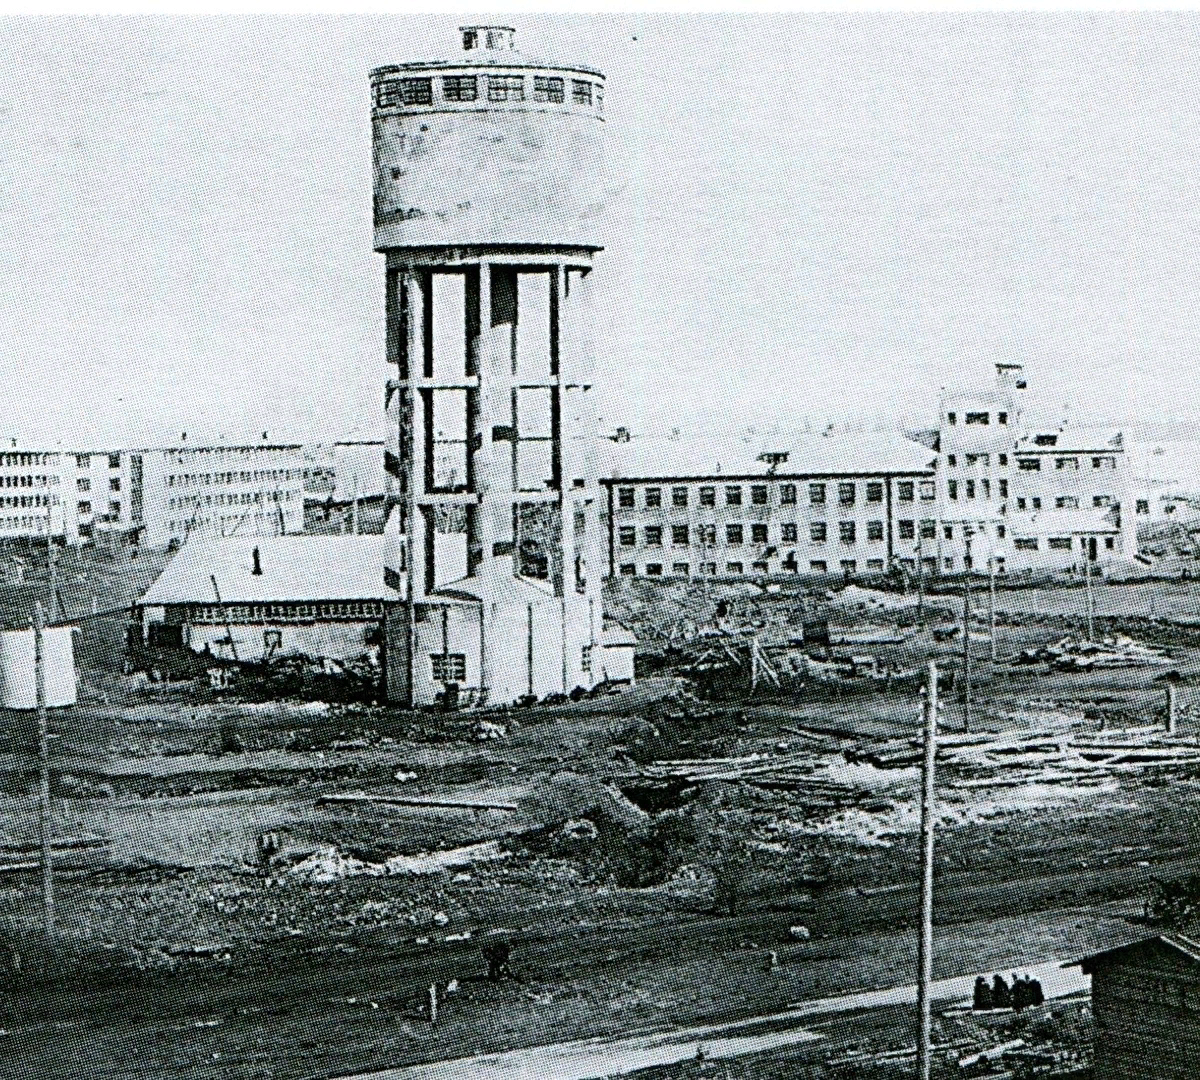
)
(496, 955)
(1001, 997)
(1020, 994)
(983, 994)
(1036, 995)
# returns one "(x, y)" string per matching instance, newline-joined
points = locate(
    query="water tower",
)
(488, 192)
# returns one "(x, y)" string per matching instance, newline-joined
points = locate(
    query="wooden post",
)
(1172, 708)
(1087, 566)
(992, 607)
(754, 663)
(920, 581)
(925, 942)
(39, 667)
(433, 1003)
(52, 561)
(967, 636)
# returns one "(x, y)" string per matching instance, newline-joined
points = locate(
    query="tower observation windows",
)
(417, 91)
(506, 88)
(388, 94)
(548, 89)
(404, 92)
(460, 87)
(581, 92)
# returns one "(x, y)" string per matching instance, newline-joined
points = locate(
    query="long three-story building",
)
(846, 505)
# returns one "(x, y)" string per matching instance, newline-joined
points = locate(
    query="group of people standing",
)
(1023, 994)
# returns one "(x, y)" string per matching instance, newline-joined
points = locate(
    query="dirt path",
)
(588, 1058)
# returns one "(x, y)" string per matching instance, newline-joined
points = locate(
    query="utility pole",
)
(354, 518)
(39, 668)
(992, 606)
(52, 562)
(925, 942)
(967, 634)
(920, 582)
(1087, 567)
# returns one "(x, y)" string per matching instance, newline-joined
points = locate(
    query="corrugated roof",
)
(295, 568)
(692, 457)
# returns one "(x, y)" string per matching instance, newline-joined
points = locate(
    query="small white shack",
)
(18, 673)
(261, 597)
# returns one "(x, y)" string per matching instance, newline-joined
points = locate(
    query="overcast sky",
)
(812, 216)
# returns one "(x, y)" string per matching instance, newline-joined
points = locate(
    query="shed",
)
(1146, 1002)
(618, 646)
(319, 596)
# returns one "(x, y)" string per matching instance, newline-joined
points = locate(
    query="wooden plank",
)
(397, 800)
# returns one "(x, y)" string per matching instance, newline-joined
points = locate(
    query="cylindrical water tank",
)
(491, 147)
(18, 679)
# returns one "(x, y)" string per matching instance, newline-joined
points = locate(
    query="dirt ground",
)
(631, 898)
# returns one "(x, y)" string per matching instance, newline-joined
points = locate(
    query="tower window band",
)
(581, 92)
(506, 88)
(548, 89)
(459, 87)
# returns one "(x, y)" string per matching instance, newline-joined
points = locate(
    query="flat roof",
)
(719, 457)
(294, 568)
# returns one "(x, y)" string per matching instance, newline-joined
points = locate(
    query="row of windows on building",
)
(546, 90)
(24, 460)
(245, 498)
(36, 524)
(736, 569)
(223, 522)
(981, 418)
(844, 566)
(1066, 464)
(1033, 464)
(1060, 543)
(250, 477)
(284, 612)
(179, 456)
(29, 480)
(27, 501)
(818, 533)
(84, 483)
(789, 533)
(969, 489)
(847, 494)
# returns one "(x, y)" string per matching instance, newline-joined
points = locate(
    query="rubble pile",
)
(1118, 651)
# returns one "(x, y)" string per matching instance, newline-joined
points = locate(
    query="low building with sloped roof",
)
(250, 598)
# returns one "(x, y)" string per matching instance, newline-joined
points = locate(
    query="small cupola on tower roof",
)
(496, 38)
(1010, 376)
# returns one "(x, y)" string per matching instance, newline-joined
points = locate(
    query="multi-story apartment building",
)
(213, 491)
(31, 493)
(158, 495)
(1027, 494)
(846, 505)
